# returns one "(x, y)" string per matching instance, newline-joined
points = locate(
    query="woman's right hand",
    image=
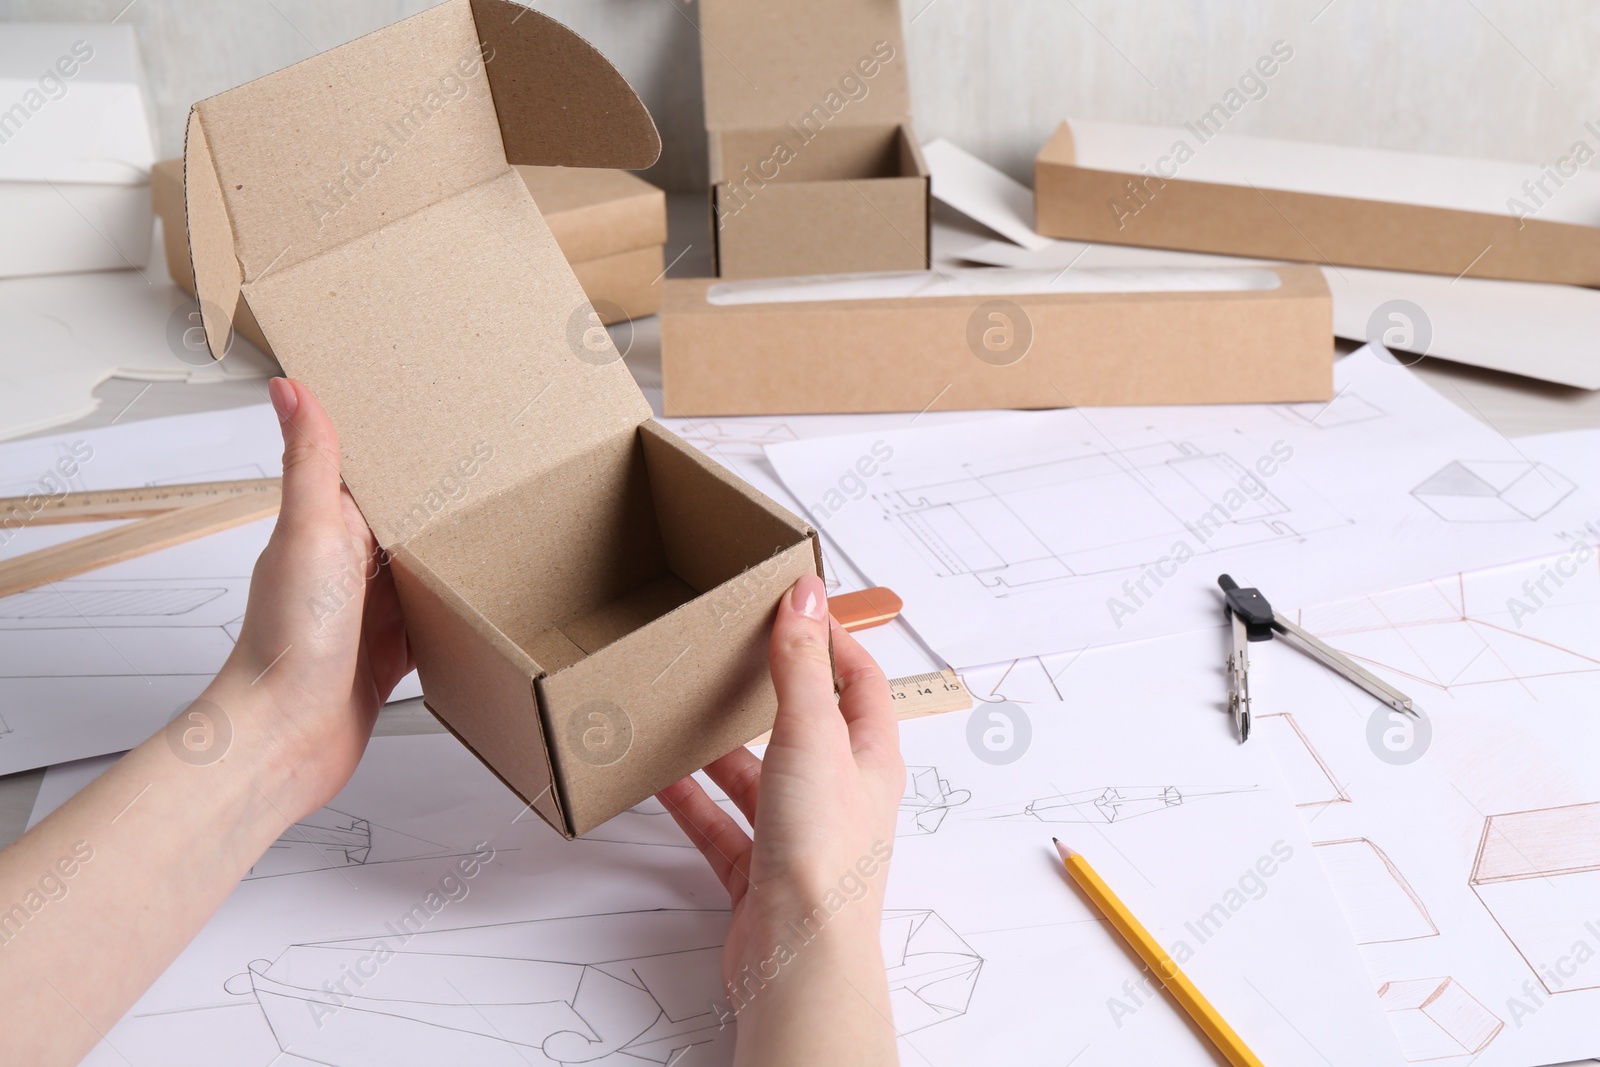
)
(803, 965)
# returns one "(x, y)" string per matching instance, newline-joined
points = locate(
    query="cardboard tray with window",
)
(588, 597)
(814, 165)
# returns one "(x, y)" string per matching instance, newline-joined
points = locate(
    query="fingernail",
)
(284, 399)
(809, 598)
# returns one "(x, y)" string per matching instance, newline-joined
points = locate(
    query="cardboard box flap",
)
(767, 63)
(301, 161)
(455, 351)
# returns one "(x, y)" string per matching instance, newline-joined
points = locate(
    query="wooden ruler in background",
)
(163, 516)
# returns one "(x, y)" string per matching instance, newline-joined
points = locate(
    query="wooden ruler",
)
(917, 695)
(163, 516)
(928, 694)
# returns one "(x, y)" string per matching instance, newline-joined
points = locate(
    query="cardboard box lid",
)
(72, 105)
(363, 204)
(766, 63)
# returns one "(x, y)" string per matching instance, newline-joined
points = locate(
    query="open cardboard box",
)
(846, 345)
(587, 596)
(814, 166)
(1198, 190)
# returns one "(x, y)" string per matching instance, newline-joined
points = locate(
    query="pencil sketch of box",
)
(926, 801)
(1378, 902)
(1493, 491)
(1436, 1019)
(932, 972)
(1538, 873)
(630, 987)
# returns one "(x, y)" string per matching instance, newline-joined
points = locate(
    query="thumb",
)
(310, 457)
(802, 666)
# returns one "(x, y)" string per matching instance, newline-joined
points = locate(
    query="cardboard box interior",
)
(558, 555)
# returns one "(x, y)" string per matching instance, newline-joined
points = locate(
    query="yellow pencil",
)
(1156, 958)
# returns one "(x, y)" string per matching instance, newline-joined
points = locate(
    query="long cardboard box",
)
(1196, 189)
(807, 350)
(587, 596)
(814, 166)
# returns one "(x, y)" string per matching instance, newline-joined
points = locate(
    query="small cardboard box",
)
(814, 166)
(1269, 342)
(76, 145)
(587, 596)
(609, 224)
(1195, 189)
(612, 227)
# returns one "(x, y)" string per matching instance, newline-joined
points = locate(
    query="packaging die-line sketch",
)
(639, 987)
(1002, 523)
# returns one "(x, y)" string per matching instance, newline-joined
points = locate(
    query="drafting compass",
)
(1251, 618)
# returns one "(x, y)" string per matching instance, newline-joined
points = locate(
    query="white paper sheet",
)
(1537, 330)
(1475, 864)
(992, 956)
(1044, 532)
(67, 333)
(993, 197)
(1508, 674)
(97, 663)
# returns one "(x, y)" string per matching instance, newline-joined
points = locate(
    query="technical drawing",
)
(1115, 803)
(630, 987)
(1538, 874)
(932, 971)
(1493, 491)
(96, 601)
(928, 798)
(650, 823)
(1378, 902)
(1436, 1019)
(328, 839)
(1014, 523)
(1430, 635)
(638, 987)
(1346, 408)
(1312, 783)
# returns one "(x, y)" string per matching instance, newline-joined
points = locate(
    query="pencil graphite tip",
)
(1063, 849)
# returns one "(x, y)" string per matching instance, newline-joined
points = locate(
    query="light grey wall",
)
(1492, 78)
